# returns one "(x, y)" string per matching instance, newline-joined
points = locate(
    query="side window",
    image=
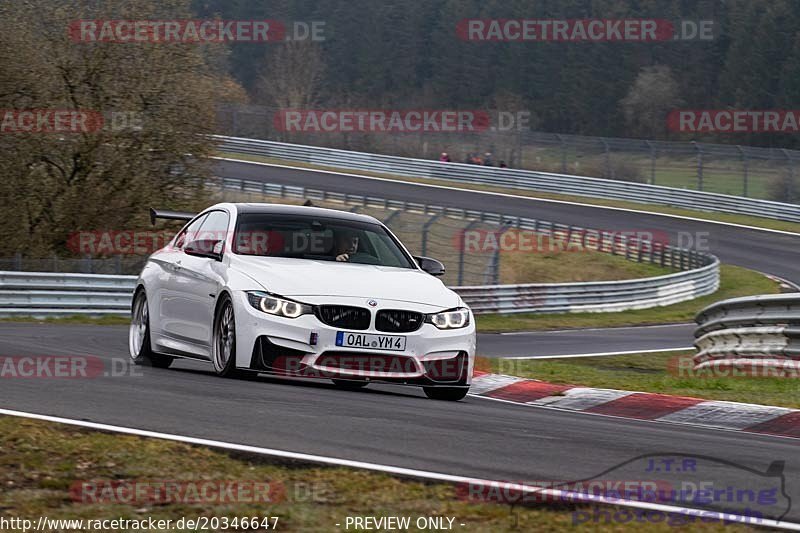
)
(215, 228)
(191, 231)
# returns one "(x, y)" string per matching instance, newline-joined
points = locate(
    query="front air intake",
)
(397, 321)
(343, 316)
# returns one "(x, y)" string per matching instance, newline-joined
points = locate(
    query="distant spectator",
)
(503, 164)
(476, 159)
(444, 158)
(470, 159)
(487, 160)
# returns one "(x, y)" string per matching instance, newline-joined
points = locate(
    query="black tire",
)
(450, 394)
(139, 348)
(348, 384)
(223, 340)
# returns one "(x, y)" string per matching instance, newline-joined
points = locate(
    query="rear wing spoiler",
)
(169, 215)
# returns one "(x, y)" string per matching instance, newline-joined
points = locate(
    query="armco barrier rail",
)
(750, 333)
(511, 178)
(58, 294)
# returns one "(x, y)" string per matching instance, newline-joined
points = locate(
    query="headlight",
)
(275, 305)
(450, 319)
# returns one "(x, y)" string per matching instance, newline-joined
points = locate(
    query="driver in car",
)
(346, 245)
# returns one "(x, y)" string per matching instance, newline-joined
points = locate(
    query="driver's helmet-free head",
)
(346, 241)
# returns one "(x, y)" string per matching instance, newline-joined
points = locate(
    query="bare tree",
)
(653, 94)
(292, 77)
(156, 101)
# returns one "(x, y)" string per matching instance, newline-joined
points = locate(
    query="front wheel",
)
(139, 336)
(223, 346)
(451, 394)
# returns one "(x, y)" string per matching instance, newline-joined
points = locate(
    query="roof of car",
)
(285, 209)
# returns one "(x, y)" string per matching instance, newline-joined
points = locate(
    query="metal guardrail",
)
(604, 296)
(511, 178)
(747, 331)
(57, 294)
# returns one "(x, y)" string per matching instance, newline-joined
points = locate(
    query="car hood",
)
(298, 278)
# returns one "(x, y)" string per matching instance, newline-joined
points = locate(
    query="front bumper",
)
(269, 343)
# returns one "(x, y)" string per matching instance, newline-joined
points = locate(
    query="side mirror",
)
(211, 248)
(430, 265)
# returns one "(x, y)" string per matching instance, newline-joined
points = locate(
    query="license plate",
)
(369, 341)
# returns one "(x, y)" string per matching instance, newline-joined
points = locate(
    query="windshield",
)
(318, 238)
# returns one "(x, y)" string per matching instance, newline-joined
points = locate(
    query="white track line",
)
(517, 196)
(600, 354)
(408, 472)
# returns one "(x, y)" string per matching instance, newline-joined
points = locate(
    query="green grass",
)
(652, 208)
(565, 266)
(41, 461)
(654, 372)
(734, 281)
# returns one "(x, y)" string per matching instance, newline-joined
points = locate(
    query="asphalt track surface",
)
(393, 425)
(387, 425)
(584, 341)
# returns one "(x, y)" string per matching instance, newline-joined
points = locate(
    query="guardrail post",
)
(699, 165)
(745, 165)
(426, 227)
(496, 255)
(789, 190)
(388, 220)
(17, 261)
(461, 252)
(563, 153)
(607, 155)
(652, 162)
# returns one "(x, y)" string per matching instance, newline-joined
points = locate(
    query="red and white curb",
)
(753, 418)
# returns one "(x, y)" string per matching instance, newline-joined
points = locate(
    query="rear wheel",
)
(350, 384)
(452, 394)
(139, 335)
(223, 346)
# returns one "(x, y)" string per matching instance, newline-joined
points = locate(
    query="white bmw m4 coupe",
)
(301, 292)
